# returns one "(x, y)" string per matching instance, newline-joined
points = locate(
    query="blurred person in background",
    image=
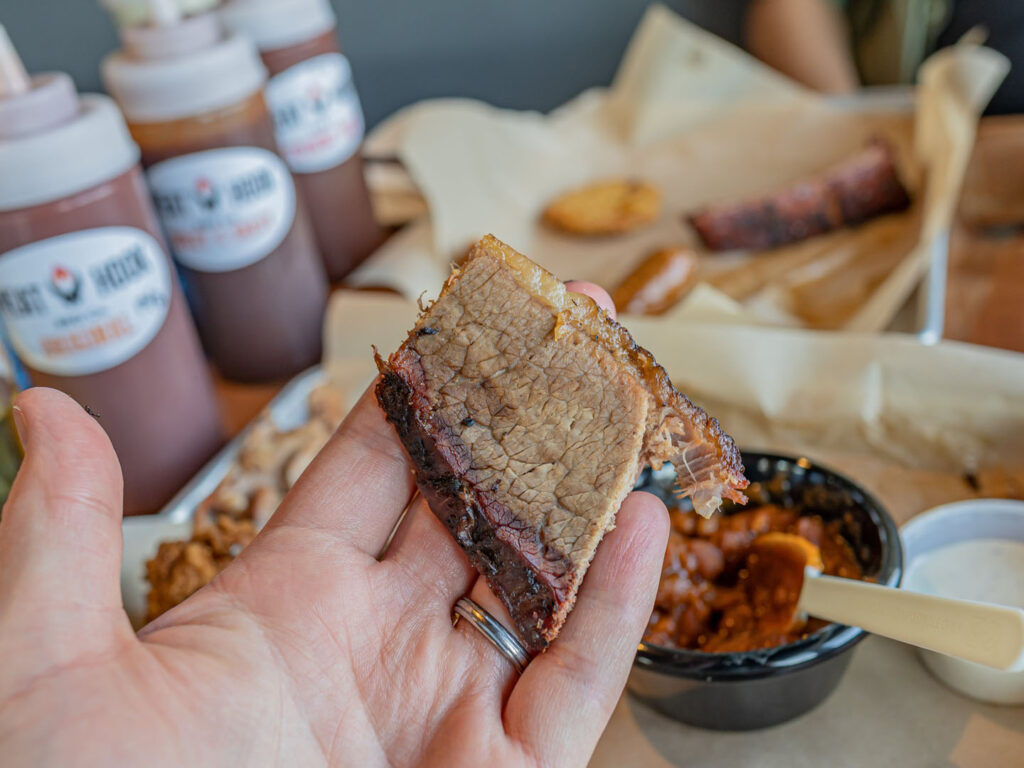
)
(834, 46)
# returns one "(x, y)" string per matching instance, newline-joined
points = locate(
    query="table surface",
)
(853, 728)
(241, 402)
(985, 279)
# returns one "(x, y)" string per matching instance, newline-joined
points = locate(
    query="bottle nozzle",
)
(167, 32)
(33, 104)
(164, 13)
(14, 79)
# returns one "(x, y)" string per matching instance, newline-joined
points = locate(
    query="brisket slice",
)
(528, 414)
(860, 188)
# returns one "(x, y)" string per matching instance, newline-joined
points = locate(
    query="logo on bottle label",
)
(317, 117)
(86, 301)
(223, 209)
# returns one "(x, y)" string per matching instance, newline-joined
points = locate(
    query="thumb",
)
(60, 533)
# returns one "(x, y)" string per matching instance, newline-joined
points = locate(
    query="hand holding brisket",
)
(529, 414)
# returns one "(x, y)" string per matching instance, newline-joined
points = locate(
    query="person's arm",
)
(806, 40)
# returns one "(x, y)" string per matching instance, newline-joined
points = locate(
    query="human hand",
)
(307, 649)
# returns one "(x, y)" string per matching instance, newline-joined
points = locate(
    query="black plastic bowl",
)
(756, 689)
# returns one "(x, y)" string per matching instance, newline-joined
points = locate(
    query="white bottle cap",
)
(273, 24)
(92, 147)
(151, 90)
(50, 100)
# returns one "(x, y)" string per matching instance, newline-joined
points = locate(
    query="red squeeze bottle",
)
(88, 295)
(237, 225)
(317, 118)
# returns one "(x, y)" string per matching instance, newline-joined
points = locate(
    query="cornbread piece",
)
(529, 414)
(859, 188)
(604, 208)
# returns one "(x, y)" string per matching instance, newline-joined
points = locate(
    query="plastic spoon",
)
(789, 568)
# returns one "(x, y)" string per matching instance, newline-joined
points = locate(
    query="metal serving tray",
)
(143, 534)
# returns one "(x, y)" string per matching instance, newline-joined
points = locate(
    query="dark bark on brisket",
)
(530, 603)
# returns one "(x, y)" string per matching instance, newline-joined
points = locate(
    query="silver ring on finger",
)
(497, 635)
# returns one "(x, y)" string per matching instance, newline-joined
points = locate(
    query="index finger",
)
(596, 292)
(358, 485)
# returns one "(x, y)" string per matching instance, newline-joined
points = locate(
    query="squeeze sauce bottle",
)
(88, 295)
(317, 118)
(236, 223)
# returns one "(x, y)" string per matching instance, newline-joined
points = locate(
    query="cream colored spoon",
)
(789, 568)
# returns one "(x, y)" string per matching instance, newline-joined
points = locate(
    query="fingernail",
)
(21, 424)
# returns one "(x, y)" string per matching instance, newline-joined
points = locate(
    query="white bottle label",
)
(223, 209)
(86, 301)
(317, 116)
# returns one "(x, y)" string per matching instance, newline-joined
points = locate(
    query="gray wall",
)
(526, 54)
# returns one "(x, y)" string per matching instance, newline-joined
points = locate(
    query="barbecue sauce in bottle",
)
(236, 223)
(318, 120)
(88, 296)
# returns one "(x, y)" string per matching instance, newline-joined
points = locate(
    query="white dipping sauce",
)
(985, 570)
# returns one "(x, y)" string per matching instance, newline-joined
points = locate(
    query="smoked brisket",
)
(528, 414)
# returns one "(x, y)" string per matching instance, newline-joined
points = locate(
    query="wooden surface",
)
(239, 403)
(985, 291)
